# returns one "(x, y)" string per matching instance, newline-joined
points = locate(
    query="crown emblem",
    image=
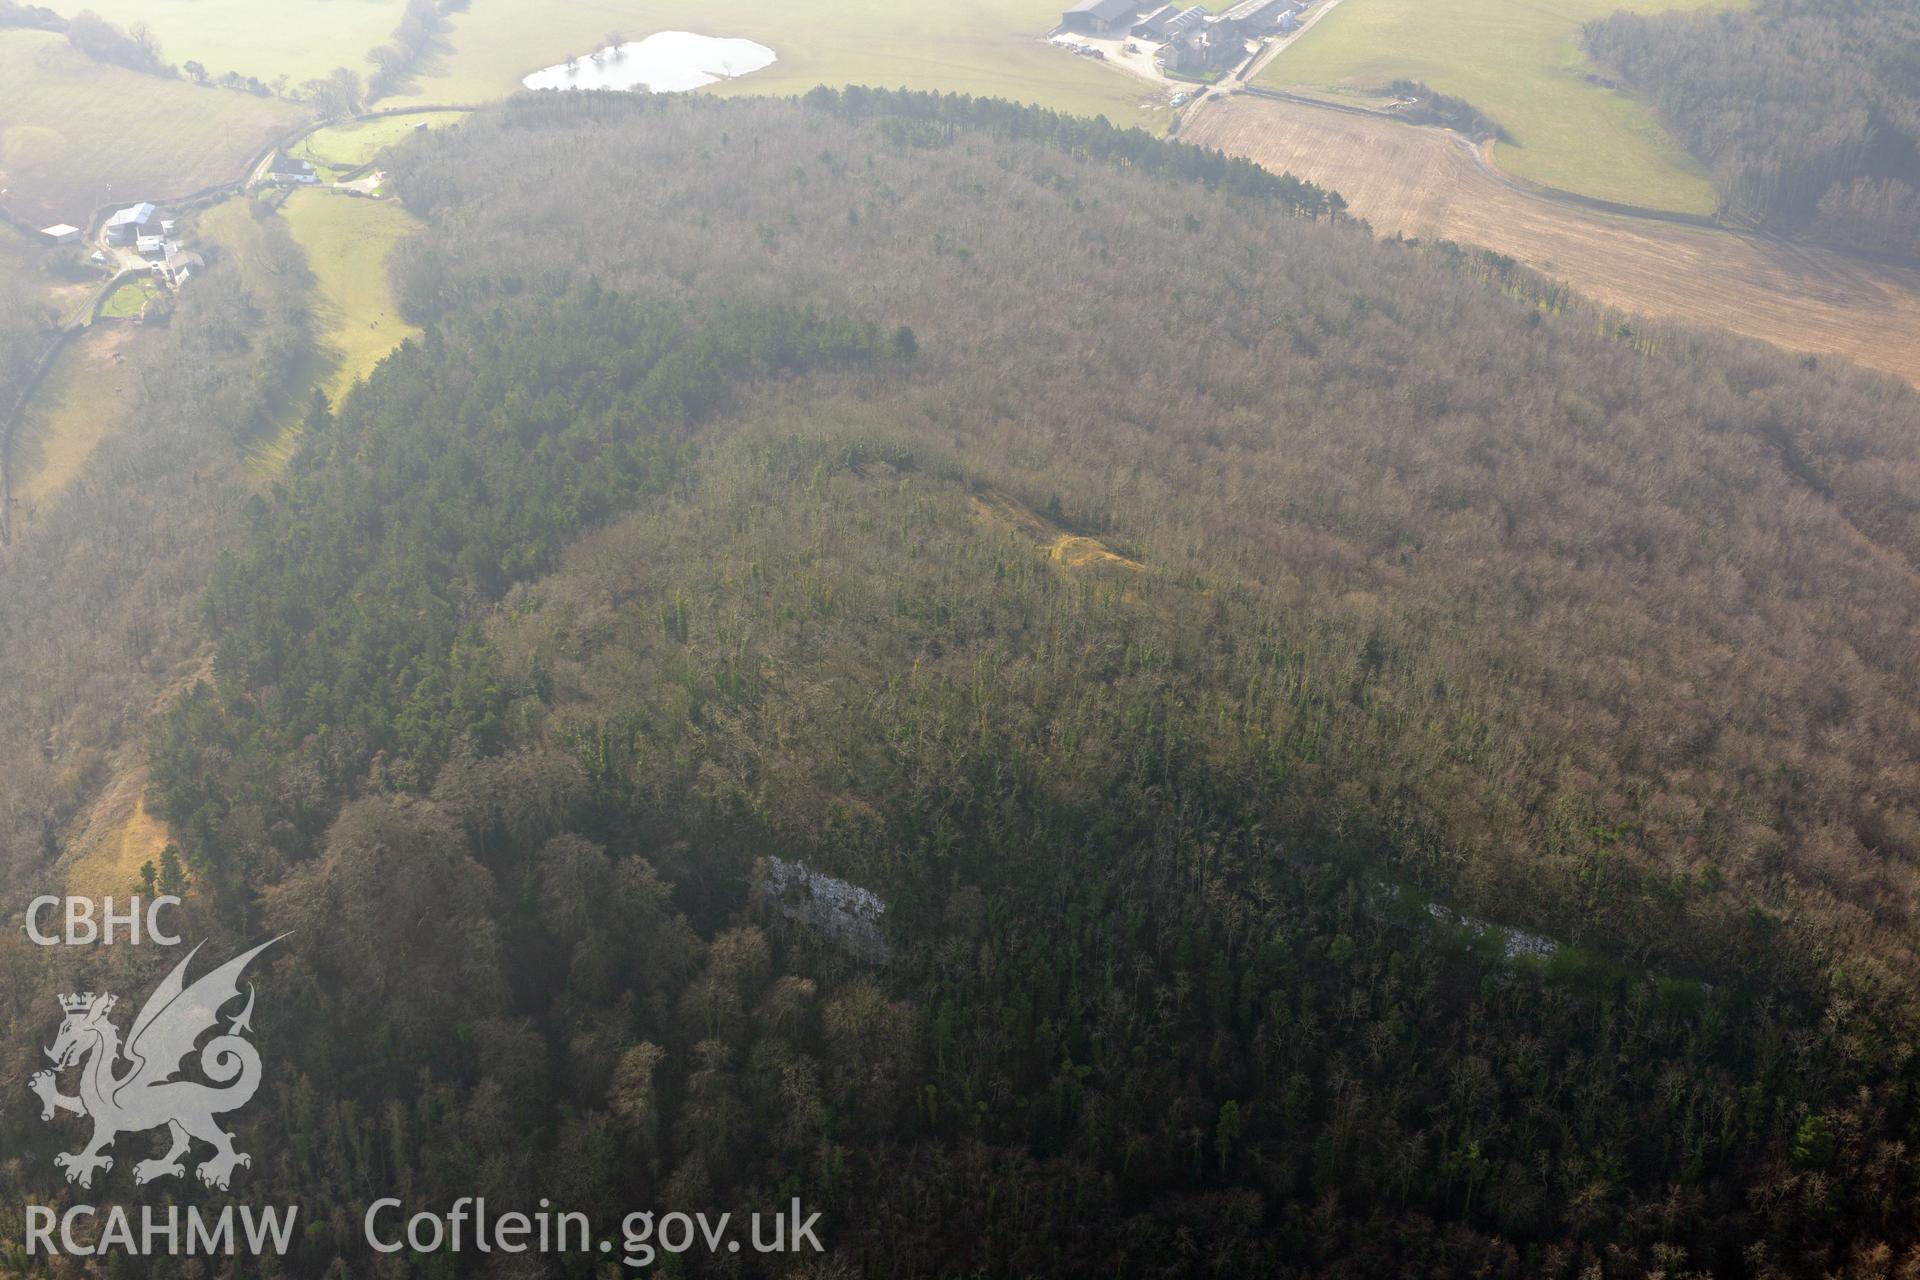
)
(84, 1001)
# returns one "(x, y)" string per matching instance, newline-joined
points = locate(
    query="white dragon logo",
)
(146, 1095)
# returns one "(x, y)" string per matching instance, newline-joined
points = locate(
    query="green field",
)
(82, 400)
(299, 39)
(341, 148)
(1520, 64)
(976, 46)
(356, 323)
(76, 134)
(990, 47)
(130, 297)
(347, 241)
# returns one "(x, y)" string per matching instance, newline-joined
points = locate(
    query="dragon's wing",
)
(176, 1016)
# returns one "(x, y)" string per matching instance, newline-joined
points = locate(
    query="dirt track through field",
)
(1425, 183)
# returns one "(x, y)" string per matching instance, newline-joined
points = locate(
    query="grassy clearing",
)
(347, 242)
(112, 866)
(1522, 65)
(115, 866)
(299, 39)
(1070, 551)
(356, 322)
(131, 297)
(340, 148)
(81, 402)
(75, 134)
(117, 838)
(989, 47)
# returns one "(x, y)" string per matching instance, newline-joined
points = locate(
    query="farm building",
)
(1100, 17)
(154, 246)
(1154, 25)
(288, 171)
(1186, 20)
(1258, 17)
(180, 264)
(60, 233)
(1213, 46)
(131, 223)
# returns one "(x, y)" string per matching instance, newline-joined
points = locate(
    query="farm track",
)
(1426, 183)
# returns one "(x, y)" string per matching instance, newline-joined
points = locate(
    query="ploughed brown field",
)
(1427, 183)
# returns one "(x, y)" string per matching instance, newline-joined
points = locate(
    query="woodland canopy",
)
(1806, 112)
(1212, 633)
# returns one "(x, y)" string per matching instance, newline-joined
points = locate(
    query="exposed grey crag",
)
(843, 912)
(1518, 942)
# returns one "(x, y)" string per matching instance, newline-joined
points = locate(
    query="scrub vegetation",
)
(26, 326)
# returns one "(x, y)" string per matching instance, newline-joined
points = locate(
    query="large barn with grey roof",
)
(128, 225)
(1100, 17)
